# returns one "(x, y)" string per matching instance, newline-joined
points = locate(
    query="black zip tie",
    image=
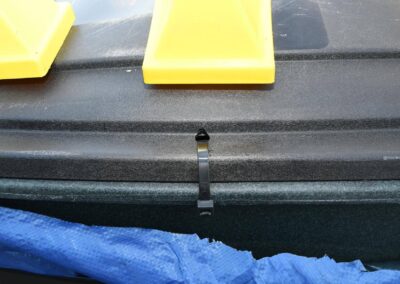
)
(205, 204)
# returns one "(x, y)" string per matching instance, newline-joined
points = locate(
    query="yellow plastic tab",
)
(210, 42)
(31, 34)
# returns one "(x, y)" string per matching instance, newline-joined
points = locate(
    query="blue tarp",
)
(45, 245)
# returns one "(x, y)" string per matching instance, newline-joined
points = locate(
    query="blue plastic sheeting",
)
(40, 244)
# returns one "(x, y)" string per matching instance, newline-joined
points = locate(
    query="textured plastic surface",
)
(31, 34)
(322, 120)
(210, 42)
(224, 194)
(46, 245)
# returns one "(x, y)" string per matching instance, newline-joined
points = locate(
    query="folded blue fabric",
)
(45, 245)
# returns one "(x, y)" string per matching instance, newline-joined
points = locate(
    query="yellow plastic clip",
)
(210, 42)
(31, 34)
